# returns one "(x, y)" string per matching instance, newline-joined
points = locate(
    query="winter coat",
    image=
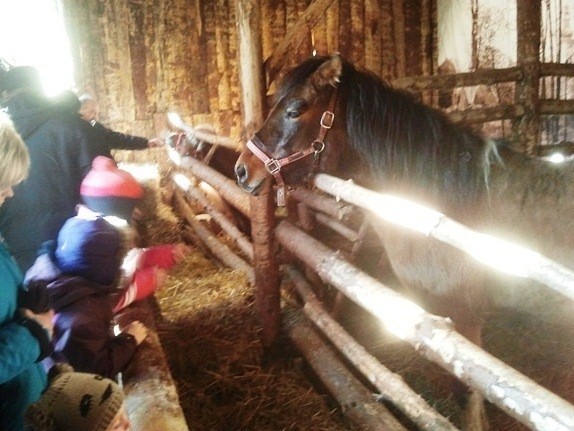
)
(104, 140)
(60, 156)
(83, 322)
(22, 378)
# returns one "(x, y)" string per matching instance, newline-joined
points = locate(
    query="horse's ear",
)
(329, 73)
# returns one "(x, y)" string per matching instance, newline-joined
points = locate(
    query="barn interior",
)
(246, 335)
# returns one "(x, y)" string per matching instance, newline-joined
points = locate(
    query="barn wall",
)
(143, 58)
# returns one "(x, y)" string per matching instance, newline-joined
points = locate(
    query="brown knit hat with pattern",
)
(76, 402)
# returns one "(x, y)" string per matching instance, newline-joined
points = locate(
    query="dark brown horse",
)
(384, 139)
(220, 158)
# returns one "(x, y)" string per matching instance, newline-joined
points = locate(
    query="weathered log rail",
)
(513, 392)
(152, 401)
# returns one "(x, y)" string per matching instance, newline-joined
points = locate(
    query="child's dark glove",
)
(35, 297)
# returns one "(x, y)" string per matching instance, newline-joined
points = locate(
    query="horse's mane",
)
(407, 144)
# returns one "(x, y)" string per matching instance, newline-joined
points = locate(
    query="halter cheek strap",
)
(179, 141)
(273, 166)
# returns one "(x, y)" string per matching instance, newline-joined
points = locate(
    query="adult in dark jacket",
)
(81, 274)
(60, 154)
(103, 139)
(25, 318)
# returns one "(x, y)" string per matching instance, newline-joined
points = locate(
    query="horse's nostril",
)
(241, 172)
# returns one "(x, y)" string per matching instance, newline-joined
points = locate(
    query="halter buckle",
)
(272, 166)
(327, 119)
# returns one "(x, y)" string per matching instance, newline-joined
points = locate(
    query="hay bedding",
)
(208, 329)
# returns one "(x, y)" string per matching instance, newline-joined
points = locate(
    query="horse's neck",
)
(351, 165)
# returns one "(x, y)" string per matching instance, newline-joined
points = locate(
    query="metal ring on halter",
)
(327, 119)
(318, 146)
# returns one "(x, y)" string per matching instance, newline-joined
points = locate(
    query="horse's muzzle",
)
(242, 175)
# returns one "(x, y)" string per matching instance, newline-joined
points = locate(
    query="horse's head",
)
(294, 140)
(187, 144)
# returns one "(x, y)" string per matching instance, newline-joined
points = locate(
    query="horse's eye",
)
(295, 108)
(293, 113)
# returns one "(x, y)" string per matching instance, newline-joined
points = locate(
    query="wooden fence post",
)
(252, 80)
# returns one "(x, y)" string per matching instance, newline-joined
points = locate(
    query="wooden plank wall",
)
(143, 58)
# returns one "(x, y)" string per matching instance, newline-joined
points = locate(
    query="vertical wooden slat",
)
(267, 26)
(333, 28)
(372, 35)
(412, 37)
(345, 29)
(137, 49)
(357, 33)
(235, 113)
(399, 38)
(528, 14)
(214, 76)
(222, 53)
(426, 46)
(388, 60)
(426, 37)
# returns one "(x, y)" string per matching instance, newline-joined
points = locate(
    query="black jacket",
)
(60, 156)
(104, 140)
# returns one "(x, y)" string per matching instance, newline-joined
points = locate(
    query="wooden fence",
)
(431, 335)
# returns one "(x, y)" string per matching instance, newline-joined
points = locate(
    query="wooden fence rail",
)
(431, 335)
(434, 337)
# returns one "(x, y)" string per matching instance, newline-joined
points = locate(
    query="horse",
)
(330, 116)
(220, 158)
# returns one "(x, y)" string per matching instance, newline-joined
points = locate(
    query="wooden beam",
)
(293, 38)
(466, 79)
(556, 69)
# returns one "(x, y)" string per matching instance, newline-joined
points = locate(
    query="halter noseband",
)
(273, 166)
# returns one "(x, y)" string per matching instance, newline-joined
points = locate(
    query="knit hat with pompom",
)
(109, 190)
(75, 402)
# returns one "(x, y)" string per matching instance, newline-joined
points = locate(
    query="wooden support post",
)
(250, 64)
(528, 19)
(262, 208)
(267, 283)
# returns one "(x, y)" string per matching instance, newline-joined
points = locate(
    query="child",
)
(81, 276)
(78, 402)
(91, 276)
(114, 193)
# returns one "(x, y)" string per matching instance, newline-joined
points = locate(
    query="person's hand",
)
(180, 251)
(138, 330)
(45, 319)
(155, 142)
(160, 276)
